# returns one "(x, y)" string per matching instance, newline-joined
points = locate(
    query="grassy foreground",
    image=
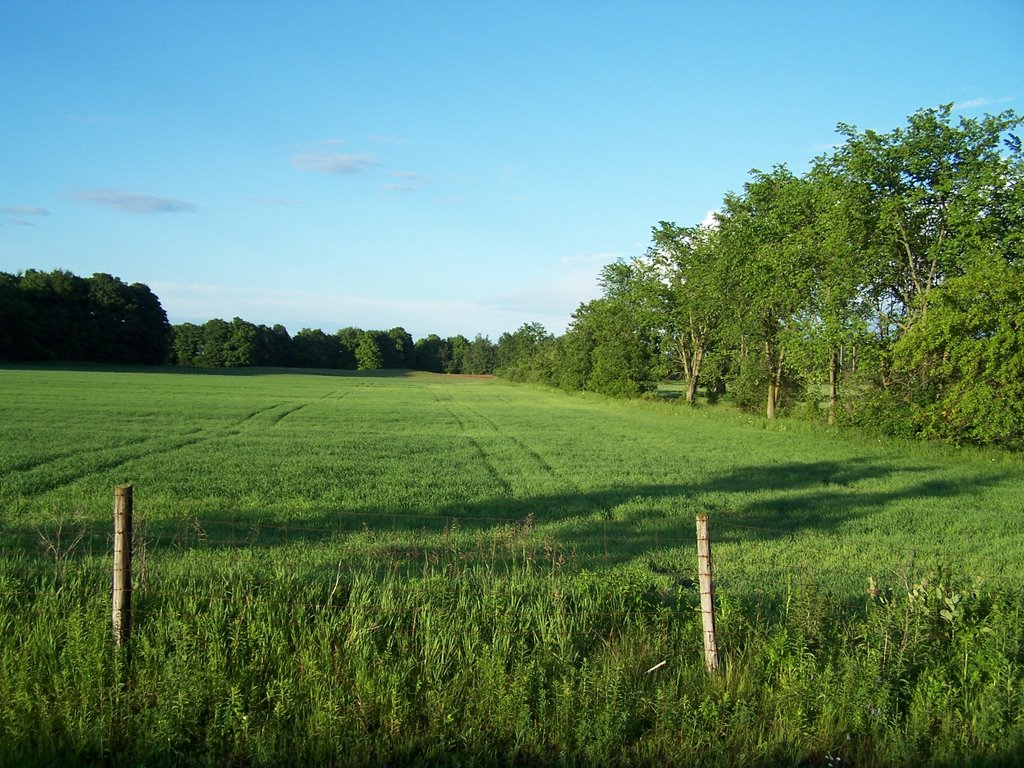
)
(416, 569)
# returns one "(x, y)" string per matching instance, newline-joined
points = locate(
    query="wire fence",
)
(356, 542)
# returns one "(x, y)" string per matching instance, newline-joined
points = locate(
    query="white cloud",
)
(131, 202)
(710, 220)
(336, 163)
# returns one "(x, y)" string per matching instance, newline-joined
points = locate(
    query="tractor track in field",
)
(488, 463)
(34, 464)
(249, 417)
(278, 417)
(502, 434)
(533, 454)
(73, 476)
(194, 437)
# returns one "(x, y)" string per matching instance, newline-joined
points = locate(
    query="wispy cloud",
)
(404, 180)
(982, 101)
(337, 163)
(131, 202)
(24, 210)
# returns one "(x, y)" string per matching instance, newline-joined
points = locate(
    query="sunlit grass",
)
(360, 570)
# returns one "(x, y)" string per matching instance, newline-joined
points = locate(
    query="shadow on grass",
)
(605, 527)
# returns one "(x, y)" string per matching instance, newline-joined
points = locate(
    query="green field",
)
(421, 569)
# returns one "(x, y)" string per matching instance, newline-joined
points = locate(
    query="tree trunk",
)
(694, 380)
(833, 386)
(775, 382)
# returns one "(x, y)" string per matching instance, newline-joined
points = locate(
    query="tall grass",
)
(420, 570)
(246, 660)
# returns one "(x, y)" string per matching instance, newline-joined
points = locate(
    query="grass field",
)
(423, 569)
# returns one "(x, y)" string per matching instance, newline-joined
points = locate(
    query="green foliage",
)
(60, 316)
(527, 355)
(965, 358)
(369, 353)
(480, 356)
(398, 349)
(611, 347)
(431, 353)
(458, 347)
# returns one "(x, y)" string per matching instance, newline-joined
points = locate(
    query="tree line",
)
(882, 288)
(239, 343)
(60, 317)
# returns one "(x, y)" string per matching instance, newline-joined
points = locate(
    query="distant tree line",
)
(883, 288)
(239, 343)
(51, 316)
(60, 317)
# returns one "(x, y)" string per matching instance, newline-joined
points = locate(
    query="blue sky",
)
(450, 167)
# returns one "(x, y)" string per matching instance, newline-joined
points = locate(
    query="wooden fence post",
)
(122, 592)
(707, 593)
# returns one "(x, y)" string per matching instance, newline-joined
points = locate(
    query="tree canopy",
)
(58, 316)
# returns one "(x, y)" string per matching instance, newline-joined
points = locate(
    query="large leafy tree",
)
(370, 354)
(613, 344)
(766, 232)
(187, 343)
(525, 354)
(312, 348)
(833, 323)
(481, 355)
(937, 191)
(945, 203)
(349, 338)
(431, 353)
(398, 349)
(458, 346)
(695, 286)
(60, 304)
(60, 316)
(273, 345)
(19, 326)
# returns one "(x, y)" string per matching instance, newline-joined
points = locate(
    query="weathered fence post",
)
(122, 592)
(707, 593)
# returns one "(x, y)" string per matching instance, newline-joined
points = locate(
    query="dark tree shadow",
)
(605, 527)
